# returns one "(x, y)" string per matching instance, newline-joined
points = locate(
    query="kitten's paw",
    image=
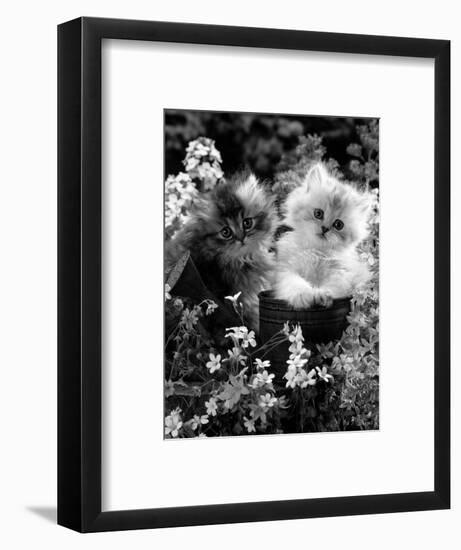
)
(322, 297)
(294, 290)
(302, 300)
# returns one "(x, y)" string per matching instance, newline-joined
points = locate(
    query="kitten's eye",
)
(226, 232)
(247, 223)
(318, 213)
(338, 225)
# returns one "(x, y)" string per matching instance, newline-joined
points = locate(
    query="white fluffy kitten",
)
(318, 261)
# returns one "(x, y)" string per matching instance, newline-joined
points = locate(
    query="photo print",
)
(271, 260)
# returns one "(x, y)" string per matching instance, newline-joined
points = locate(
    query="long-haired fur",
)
(229, 235)
(318, 261)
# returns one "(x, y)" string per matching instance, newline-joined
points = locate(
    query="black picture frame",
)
(79, 274)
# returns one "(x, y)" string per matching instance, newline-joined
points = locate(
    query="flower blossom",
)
(189, 318)
(242, 333)
(214, 363)
(297, 362)
(323, 374)
(235, 355)
(262, 365)
(173, 423)
(197, 421)
(261, 379)
(233, 299)
(296, 375)
(180, 193)
(299, 377)
(211, 306)
(211, 406)
(249, 339)
(297, 349)
(343, 361)
(249, 424)
(267, 401)
(203, 162)
(296, 335)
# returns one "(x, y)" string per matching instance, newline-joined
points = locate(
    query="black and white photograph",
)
(271, 259)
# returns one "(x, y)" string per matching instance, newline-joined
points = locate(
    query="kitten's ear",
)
(315, 176)
(199, 205)
(201, 211)
(252, 180)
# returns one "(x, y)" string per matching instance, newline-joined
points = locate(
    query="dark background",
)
(255, 140)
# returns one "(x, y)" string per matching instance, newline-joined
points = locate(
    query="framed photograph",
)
(254, 274)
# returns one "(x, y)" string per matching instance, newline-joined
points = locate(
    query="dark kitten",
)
(229, 235)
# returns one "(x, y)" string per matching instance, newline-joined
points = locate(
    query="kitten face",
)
(328, 213)
(237, 220)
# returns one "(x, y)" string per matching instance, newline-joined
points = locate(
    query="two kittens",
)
(231, 238)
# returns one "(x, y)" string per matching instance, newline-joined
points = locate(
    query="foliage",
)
(255, 140)
(364, 168)
(221, 390)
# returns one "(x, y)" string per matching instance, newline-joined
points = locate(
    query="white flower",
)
(249, 424)
(180, 192)
(297, 361)
(262, 379)
(197, 148)
(191, 163)
(296, 335)
(235, 355)
(249, 339)
(242, 333)
(261, 365)
(189, 318)
(211, 406)
(197, 421)
(290, 377)
(214, 363)
(323, 374)
(173, 423)
(211, 306)
(233, 298)
(297, 348)
(297, 376)
(202, 162)
(167, 292)
(343, 361)
(236, 333)
(310, 380)
(267, 401)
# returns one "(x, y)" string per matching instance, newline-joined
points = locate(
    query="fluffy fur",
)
(318, 261)
(229, 235)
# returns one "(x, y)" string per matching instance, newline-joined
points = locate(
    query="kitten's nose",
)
(325, 229)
